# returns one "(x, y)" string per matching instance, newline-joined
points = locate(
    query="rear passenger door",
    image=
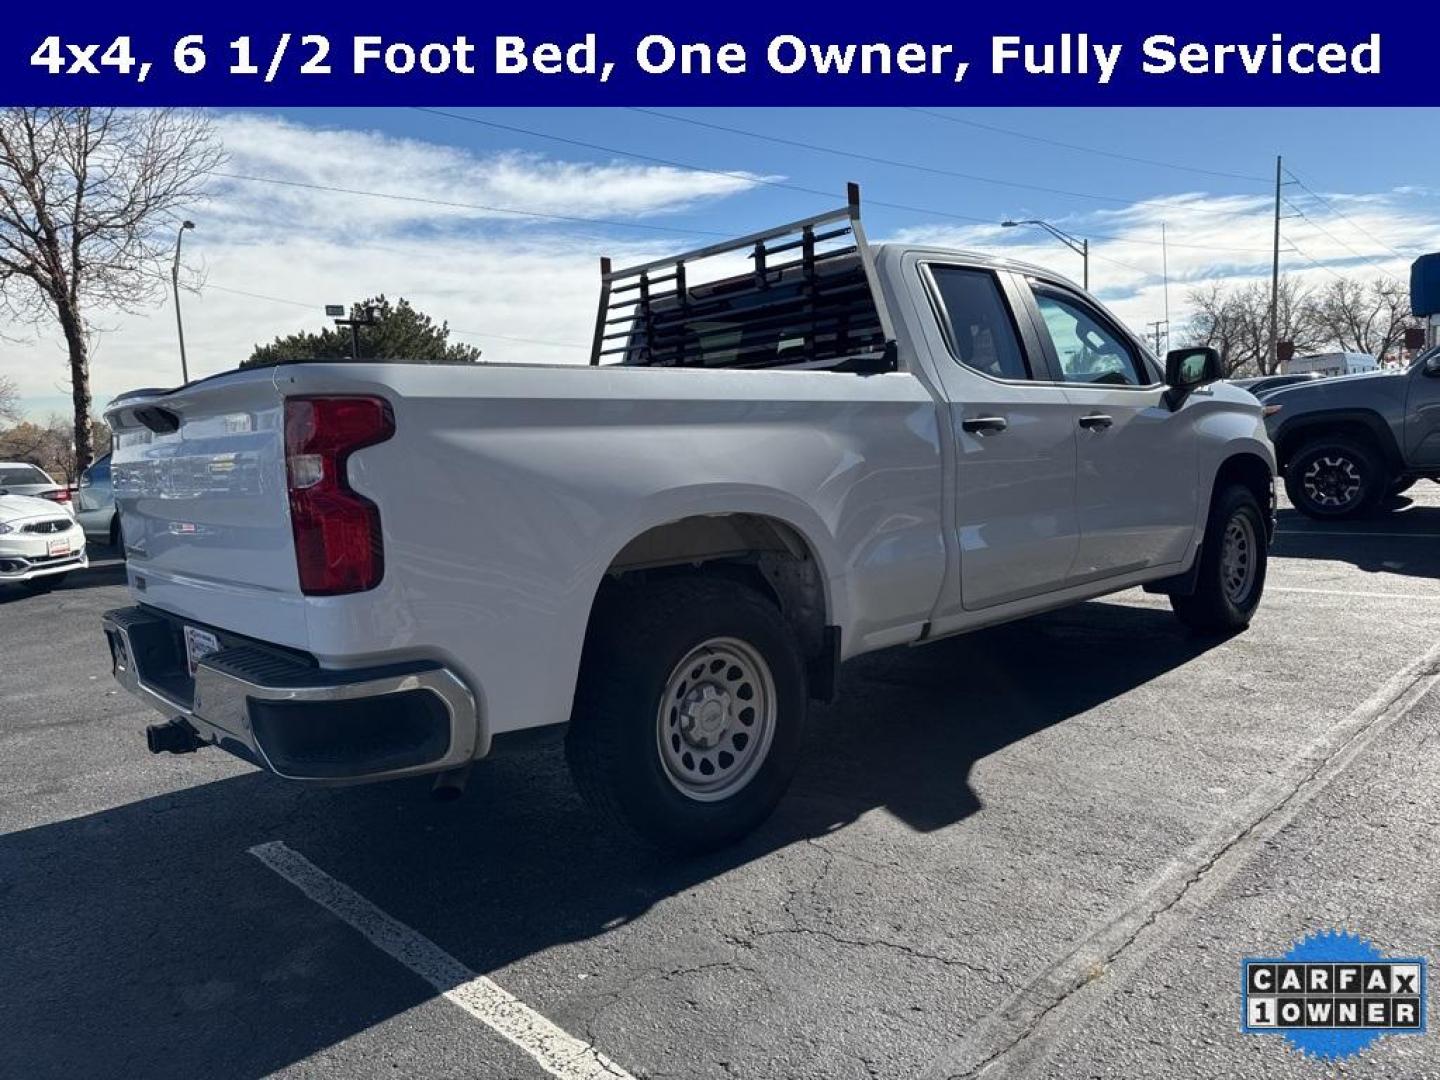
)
(1013, 437)
(1135, 492)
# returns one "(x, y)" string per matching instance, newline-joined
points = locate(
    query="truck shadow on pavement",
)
(145, 941)
(1407, 544)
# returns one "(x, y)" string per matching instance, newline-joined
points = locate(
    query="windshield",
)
(22, 474)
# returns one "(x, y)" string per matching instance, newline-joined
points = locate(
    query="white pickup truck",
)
(346, 572)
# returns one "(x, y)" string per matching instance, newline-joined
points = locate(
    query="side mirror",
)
(1185, 369)
(1432, 364)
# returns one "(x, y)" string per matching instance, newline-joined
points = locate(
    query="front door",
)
(1014, 442)
(1136, 486)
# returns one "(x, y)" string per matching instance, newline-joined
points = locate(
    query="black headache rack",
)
(818, 305)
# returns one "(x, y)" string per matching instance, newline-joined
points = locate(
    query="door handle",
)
(1096, 422)
(984, 425)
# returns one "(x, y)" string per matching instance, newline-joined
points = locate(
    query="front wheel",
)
(1335, 478)
(1233, 560)
(689, 712)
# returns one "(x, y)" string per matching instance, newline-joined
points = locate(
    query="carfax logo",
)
(1332, 995)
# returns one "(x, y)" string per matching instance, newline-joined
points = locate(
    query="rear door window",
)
(977, 322)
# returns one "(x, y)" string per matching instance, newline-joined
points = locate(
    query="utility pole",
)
(1165, 270)
(1156, 328)
(1274, 352)
(367, 318)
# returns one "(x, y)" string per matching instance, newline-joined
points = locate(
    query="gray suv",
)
(1344, 444)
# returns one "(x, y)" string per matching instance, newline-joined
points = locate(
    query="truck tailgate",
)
(199, 479)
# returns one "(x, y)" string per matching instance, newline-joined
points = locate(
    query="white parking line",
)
(556, 1051)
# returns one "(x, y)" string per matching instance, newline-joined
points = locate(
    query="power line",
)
(1320, 228)
(912, 165)
(453, 329)
(569, 218)
(1339, 213)
(1313, 261)
(1088, 149)
(752, 178)
(786, 186)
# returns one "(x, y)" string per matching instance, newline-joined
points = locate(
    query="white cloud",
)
(443, 186)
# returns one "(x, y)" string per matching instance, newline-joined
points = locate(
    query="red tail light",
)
(58, 495)
(337, 531)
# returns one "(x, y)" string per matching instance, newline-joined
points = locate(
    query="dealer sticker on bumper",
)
(198, 645)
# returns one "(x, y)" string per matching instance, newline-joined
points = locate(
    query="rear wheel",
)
(689, 712)
(1334, 478)
(1233, 559)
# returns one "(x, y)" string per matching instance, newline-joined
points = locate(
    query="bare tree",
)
(1236, 321)
(1364, 317)
(9, 399)
(88, 199)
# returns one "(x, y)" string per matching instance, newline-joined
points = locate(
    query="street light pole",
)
(175, 286)
(1076, 244)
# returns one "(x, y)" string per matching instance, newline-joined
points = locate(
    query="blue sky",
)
(271, 254)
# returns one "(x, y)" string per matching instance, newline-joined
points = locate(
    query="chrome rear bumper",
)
(300, 721)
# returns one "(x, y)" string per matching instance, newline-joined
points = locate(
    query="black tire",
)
(1218, 607)
(638, 639)
(1336, 468)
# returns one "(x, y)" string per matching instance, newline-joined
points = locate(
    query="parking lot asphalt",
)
(1038, 850)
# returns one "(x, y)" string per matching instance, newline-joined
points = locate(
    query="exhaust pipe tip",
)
(450, 785)
(172, 737)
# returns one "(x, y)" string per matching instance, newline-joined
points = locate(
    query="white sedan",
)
(39, 542)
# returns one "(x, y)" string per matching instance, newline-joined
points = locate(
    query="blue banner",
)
(272, 54)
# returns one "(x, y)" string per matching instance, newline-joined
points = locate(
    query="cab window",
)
(1087, 347)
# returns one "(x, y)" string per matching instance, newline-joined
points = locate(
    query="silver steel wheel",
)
(716, 719)
(1239, 556)
(1333, 481)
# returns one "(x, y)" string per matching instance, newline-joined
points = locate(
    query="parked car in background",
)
(1265, 383)
(39, 542)
(1344, 444)
(353, 572)
(95, 505)
(1335, 363)
(22, 478)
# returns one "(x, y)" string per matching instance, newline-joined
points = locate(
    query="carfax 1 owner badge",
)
(1332, 995)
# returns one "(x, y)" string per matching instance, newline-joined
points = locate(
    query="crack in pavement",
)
(1021, 1019)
